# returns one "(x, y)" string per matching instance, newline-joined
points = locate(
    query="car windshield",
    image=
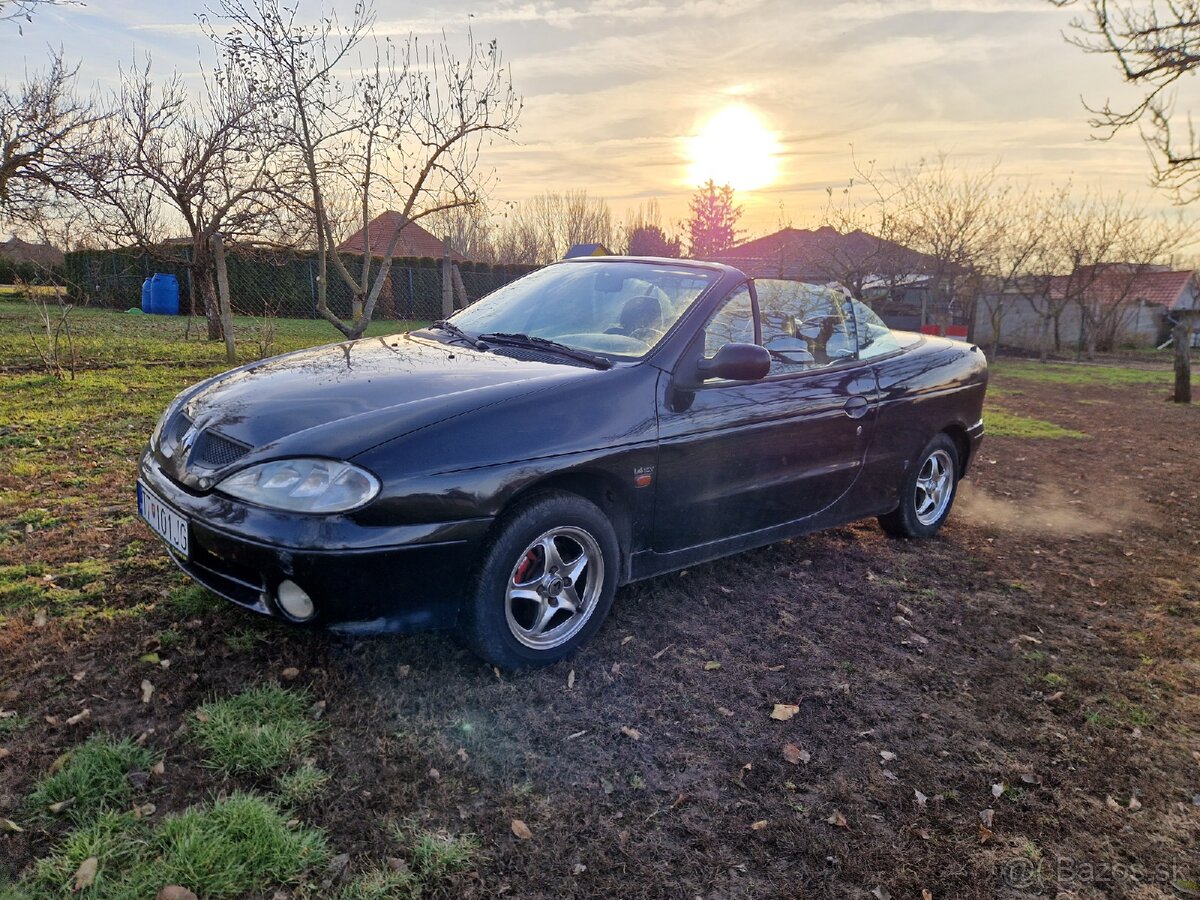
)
(619, 309)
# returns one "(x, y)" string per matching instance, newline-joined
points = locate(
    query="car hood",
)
(339, 400)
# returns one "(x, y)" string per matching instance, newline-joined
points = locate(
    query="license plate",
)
(166, 523)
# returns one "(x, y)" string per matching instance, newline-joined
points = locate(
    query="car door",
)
(739, 457)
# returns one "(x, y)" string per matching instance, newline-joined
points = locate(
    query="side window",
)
(733, 322)
(804, 326)
(874, 337)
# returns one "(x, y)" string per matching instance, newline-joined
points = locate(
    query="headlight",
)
(303, 485)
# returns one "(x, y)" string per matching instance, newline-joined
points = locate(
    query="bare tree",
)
(177, 163)
(1155, 44)
(44, 127)
(467, 230)
(21, 11)
(542, 228)
(403, 132)
(646, 235)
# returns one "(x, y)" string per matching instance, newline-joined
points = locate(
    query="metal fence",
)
(282, 285)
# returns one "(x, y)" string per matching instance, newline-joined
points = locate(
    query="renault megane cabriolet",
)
(599, 421)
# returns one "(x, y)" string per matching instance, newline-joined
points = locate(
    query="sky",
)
(616, 90)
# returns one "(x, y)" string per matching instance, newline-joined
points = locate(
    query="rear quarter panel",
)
(936, 385)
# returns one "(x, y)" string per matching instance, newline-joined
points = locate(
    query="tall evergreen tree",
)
(713, 226)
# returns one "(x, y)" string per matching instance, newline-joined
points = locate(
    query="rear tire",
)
(546, 583)
(927, 493)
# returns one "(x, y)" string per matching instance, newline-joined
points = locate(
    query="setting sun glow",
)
(734, 147)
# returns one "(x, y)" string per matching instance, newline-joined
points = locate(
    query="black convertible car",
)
(596, 422)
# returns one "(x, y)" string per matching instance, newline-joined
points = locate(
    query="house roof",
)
(825, 254)
(414, 240)
(587, 250)
(1119, 282)
(20, 251)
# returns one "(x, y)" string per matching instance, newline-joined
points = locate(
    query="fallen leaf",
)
(158, 768)
(147, 691)
(9, 826)
(521, 830)
(202, 717)
(985, 834)
(759, 825)
(926, 894)
(887, 755)
(59, 762)
(625, 640)
(881, 893)
(58, 807)
(998, 789)
(291, 673)
(85, 874)
(631, 732)
(144, 811)
(174, 892)
(462, 754)
(51, 720)
(711, 666)
(577, 734)
(80, 675)
(39, 619)
(725, 711)
(837, 820)
(81, 716)
(1057, 695)
(784, 711)
(1030, 778)
(795, 755)
(570, 679)
(578, 869)
(152, 658)
(3, 752)
(435, 774)
(921, 798)
(986, 816)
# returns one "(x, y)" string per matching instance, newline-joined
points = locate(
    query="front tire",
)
(927, 492)
(546, 583)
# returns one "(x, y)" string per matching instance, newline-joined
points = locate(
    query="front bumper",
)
(362, 579)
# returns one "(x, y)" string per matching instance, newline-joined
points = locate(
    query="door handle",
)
(856, 407)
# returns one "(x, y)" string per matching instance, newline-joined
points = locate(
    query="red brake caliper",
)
(523, 568)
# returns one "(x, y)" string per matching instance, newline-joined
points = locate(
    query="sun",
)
(734, 147)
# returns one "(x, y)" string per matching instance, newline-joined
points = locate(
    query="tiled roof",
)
(20, 251)
(1116, 283)
(414, 240)
(828, 254)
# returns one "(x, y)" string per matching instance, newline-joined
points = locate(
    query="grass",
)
(94, 778)
(1080, 373)
(1001, 423)
(301, 786)
(105, 337)
(192, 600)
(232, 847)
(12, 724)
(255, 732)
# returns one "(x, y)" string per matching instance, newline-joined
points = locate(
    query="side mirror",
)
(736, 362)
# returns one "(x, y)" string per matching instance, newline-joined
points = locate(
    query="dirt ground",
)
(1008, 710)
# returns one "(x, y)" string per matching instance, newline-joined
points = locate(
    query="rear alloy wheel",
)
(545, 584)
(927, 493)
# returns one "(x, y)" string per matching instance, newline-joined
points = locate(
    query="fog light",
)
(294, 601)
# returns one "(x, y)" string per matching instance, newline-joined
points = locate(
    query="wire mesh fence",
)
(278, 284)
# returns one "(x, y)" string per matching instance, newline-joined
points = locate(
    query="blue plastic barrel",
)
(146, 295)
(164, 295)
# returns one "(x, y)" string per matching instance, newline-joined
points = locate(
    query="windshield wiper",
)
(519, 339)
(452, 329)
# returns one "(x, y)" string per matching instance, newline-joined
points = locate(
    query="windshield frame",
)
(714, 275)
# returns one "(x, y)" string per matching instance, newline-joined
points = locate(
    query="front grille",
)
(215, 451)
(182, 424)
